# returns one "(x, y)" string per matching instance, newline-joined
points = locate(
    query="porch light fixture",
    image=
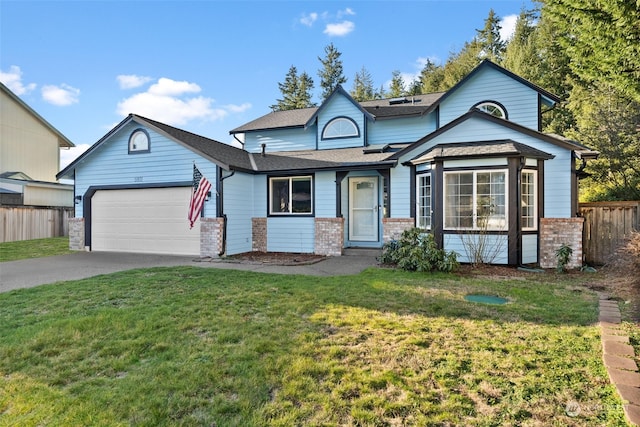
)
(78, 199)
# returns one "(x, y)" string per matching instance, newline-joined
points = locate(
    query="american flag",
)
(201, 187)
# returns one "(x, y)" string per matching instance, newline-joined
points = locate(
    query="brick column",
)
(76, 234)
(259, 234)
(211, 237)
(329, 236)
(392, 228)
(555, 232)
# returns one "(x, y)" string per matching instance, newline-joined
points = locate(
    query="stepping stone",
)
(620, 377)
(610, 311)
(613, 361)
(610, 325)
(617, 338)
(633, 413)
(610, 318)
(617, 348)
(609, 303)
(629, 393)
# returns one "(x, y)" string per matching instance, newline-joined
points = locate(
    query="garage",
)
(149, 220)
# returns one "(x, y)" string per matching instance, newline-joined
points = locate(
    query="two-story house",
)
(470, 165)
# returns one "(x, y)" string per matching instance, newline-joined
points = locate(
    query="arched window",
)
(340, 127)
(139, 141)
(492, 107)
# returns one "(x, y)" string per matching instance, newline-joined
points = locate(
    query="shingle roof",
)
(278, 120)
(501, 148)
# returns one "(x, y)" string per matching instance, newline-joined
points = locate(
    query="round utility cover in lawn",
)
(486, 299)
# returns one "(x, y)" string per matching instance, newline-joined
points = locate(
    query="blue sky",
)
(210, 66)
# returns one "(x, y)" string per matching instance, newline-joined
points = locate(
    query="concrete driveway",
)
(28, 273)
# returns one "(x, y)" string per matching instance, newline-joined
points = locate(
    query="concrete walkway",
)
(618, 358)
(28, 273)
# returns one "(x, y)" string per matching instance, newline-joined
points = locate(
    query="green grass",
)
(200, 347)
(38, 248)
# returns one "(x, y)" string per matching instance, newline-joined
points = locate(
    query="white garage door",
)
(152, 220)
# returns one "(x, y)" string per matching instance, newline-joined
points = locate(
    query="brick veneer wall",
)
(76, 234)
(259, 234)
(392, 228)
(329, 236)
(211, 237)
(555, 232)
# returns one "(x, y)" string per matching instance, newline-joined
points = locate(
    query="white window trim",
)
(494, 104)
(419, 200)
(290, 179)
(133, 149)
(535, 199)
(475, 227)
(334, 122)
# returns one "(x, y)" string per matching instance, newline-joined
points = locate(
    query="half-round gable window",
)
(492, 107)
(340, 127)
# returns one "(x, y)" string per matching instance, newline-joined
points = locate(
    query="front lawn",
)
(206, 347)
(37, 248)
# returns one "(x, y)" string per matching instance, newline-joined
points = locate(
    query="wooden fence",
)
(30, 222)
(606, 226)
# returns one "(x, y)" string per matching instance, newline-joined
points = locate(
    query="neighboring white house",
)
(467, 164)
(29, 156)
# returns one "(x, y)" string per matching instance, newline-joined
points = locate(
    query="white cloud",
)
(13, 80)
(168, 101)
(309, 19)
(168, 87)
(62, 95)
(347, 12)
(68, 155)
(508, 27)
(341, 29)
(131, 81)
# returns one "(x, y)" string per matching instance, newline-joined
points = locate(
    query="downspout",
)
(239, 142)
(220, 208)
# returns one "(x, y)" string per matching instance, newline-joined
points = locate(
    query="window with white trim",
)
(291, 195)
(423, 192)
(475, 200)
(340, 127)
(492, 108)
(139, 141)
(529, 202)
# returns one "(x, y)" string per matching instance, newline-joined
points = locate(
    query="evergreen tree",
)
(396, 88)
(362, 86)
(431, 77)
(520, 55)
(488, 38)
(296, 91)
(331, 74)
(602, 40)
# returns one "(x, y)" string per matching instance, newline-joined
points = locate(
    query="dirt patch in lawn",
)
(276, 258)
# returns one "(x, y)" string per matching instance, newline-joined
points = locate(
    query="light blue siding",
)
(497, 251)
(339, 106)
(260, 204)
(408, 129)
(325, 195)
(238, 202)
(168, 162)
(281, 140)
(400, 189)
(520, 101)
(291, 234)
(529, 248)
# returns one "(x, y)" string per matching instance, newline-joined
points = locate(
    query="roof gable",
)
(224, 155)
(63, 141)
(338, 91)
(563, 143)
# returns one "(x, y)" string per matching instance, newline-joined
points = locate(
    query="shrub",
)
(416, 250)
(563, 255)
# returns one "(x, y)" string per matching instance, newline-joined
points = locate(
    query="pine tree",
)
(362, 86)
(396, 88)
(431, 77)
(296, 91)
(331, 74)
(520, 55)
(489, 40)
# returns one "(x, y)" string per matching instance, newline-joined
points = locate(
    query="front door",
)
(363, 209)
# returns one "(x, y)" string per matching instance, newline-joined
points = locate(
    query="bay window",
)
(423, 191)
(475, 200)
